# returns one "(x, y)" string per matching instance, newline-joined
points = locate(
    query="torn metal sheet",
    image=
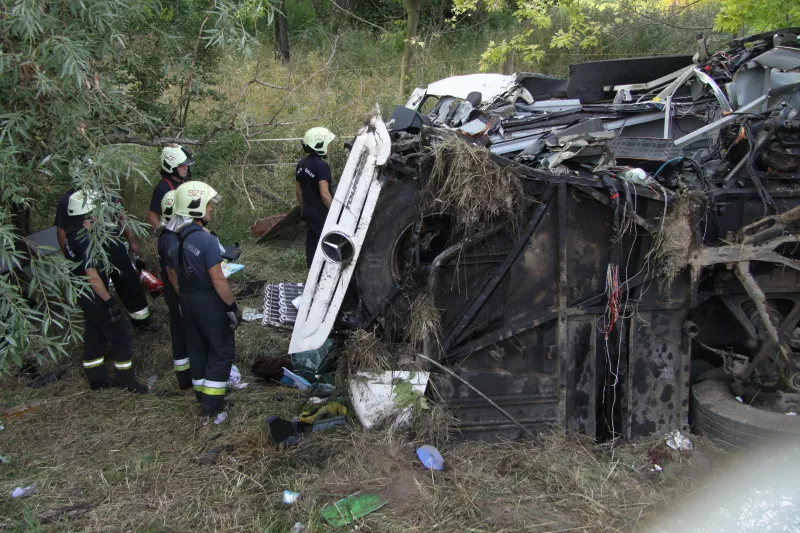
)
(275, 224)
(551, 106)
(41, 243)
(716, 126)
(345, 227)
(416, 98)
(475, 127)
(780, 57)
(489, 85)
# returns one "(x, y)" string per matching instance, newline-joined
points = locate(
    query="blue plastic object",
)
(293, 380)
(430, 458)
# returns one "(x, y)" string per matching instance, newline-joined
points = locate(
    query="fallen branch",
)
(70, 511)
(735, 253)
(118, 138)
(272, 195)
(479, 393)
(244, 183)
(265, 84)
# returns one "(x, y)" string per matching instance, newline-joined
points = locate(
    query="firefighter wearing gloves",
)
(124, 275)
(313, 186)
(175, 163)
(209, 311)
(104, 318)
(168, 241)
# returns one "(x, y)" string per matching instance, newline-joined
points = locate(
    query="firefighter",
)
(168, 241)
(104, 319)
(124, 275)
(209, 310)
(175, 163)
(313, 186)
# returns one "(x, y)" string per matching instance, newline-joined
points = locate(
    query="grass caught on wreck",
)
(466, 183)
(425, 321)
(675, 241)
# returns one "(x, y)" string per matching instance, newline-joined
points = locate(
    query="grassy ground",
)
(131, 463)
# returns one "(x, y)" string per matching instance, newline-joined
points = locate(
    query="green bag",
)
(352, 508)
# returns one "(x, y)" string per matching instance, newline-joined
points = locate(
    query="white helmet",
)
(167, 205)
(174, 156)
(82, 202)
(192, 197)
(318, 139)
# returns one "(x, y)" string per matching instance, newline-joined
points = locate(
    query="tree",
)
(757, 15)
(75, 77)
(411, 41)
(281, 31)
(574, 25)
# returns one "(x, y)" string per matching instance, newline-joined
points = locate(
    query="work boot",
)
(108, 383)
(208, 411)
(184, 380)
(135, 387)
(98, 385)
(149, 327)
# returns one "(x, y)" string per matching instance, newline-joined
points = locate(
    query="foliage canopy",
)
(75, 78)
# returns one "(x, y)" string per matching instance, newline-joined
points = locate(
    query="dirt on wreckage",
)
(593, 246)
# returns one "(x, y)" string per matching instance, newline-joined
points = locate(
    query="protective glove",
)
(115, 312)
(139, 263)
(234, 315)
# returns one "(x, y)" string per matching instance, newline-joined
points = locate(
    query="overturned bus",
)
(614, 253)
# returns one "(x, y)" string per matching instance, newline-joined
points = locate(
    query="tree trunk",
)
(317, 13)
(281, 32)
(412, 11)
(508, 65)
(440, 15)
(21, 219)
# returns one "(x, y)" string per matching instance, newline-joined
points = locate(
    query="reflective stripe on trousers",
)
(212, 388)
(94, 363)
(141, 314)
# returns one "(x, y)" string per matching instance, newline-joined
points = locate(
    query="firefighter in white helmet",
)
(167, 242)
(104, 319)
(209, 310)
(175, 163)
(124, 275)
(313, 186)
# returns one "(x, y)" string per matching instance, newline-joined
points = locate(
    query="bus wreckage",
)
(616, 253)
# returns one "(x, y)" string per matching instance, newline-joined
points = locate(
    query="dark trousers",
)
(177, 330)
(315, 222)
(98, 332)
(127, 284)
(210, 341)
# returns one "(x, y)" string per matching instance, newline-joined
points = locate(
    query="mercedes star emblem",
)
(337, 247)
